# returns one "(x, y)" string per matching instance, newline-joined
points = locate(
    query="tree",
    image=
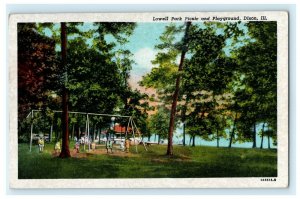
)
(159, 122)
(37, 69)
(206, 79)
(219, 124)
(92, 77)
(65, 152)
(205, 76)
(257, 71)
(176, 92)
(163, 77)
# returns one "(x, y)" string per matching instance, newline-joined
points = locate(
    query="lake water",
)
(178, 139)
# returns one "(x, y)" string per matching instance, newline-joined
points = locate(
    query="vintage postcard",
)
(149, 100)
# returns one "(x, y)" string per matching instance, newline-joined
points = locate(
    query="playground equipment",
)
(136, 135)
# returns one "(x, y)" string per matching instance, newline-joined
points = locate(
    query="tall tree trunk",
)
(269, 146)
(262, 136)
(176, 92)
(183, 128)
(158, 139)
(254, 135)
(194, 136)
(190, 140)
(218, 138)
(65, 152)
(183, 118)
(231, 137)
(232, 132)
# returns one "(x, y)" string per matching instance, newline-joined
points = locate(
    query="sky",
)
(142, 45)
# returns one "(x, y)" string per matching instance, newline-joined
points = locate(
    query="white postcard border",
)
(253, 182)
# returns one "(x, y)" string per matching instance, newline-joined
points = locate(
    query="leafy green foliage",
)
(228, 81)
(257, 62)
(159, 122)
(96, 75)
(228, 84)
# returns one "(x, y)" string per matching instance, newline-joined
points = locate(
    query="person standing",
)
(127, 145)
(109, 145)
(57, 148)
(41, 144)
(77, 145)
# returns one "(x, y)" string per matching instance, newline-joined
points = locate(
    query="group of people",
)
(123, 146)
(41, 145)
(81, 141)
(109, 145)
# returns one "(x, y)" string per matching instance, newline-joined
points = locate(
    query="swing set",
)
(136, 134)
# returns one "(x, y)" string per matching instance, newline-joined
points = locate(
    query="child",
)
(41, 144)
(127, 145)
(122, 147)
(77, 145)
(109, 145)
(93, 146)
(57, 148)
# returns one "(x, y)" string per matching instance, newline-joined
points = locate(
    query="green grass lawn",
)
(188, 162)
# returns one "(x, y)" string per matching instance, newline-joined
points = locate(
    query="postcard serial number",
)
(268, 179)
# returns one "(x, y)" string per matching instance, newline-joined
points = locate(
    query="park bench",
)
(150, 143)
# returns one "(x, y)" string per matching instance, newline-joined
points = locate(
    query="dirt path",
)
(117, 153)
